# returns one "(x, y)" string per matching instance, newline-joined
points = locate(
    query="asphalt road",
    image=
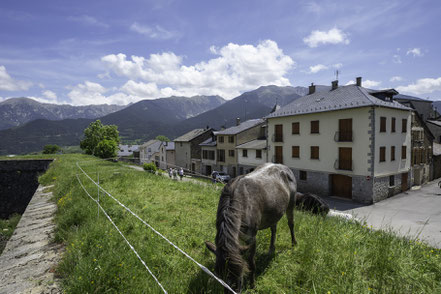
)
(414, 213)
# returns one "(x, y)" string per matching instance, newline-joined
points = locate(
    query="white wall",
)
(251, 158)
(329, 125)
(389, 139)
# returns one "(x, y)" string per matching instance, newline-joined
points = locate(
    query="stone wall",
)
(316, 182)
(18, 182)
(362, 189)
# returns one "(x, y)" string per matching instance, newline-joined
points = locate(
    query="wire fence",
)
(203, 268)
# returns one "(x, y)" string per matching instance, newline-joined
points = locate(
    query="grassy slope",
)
(332, 255)
(7, 227)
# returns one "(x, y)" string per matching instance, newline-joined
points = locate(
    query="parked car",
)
(220, 176)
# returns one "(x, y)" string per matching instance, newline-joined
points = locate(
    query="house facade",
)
(349, 142)
(250, 155)
(149, 151)
(229, 139)
(188, 151)
(208, 159)
(167, 155)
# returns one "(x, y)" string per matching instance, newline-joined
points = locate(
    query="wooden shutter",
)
(382, 124)
(392, 153)
(295, 128)
(392, 126)
(295, 151)
(315, 152)
(382, 154)
(279, 154)
(345, 158)
(345, 130)
(278, 130)
(315, 127)
(403, 152)
(404, 125)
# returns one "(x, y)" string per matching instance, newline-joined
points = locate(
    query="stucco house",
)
(188, 151)
(348, 141)
(167, 155)
(149, 151)
(208, 160)
(250, 155)
(229, 139)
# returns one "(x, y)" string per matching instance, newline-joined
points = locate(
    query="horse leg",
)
(290, 216)
(273, 238)
(251, 261)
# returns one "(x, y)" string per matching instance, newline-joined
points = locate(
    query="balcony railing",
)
(341, 164)
(277, 138)
(344, 136)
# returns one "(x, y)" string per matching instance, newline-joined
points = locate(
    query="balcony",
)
(341, 164)
(277, 138)
(343, 136)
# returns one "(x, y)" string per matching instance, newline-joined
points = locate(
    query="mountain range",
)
(144, 120)
(18, 111)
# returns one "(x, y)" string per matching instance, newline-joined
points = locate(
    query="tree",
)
(100, 140)
(162, 138)
(51, 149)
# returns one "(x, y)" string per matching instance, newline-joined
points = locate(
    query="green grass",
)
(7, 227)
(332, 255)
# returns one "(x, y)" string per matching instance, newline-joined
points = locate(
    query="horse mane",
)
(228, 231)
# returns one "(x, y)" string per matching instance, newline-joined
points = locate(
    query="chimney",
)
(311, 89)
(334, 84)
(237, 121)
(358, 83)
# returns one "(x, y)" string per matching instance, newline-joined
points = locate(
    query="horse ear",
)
(211, 247)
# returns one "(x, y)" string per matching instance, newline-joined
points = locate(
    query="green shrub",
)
(51, 149)
(150, 167)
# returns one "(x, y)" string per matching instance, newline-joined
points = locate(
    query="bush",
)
(51, 149)
(106, 148)
(150, 167)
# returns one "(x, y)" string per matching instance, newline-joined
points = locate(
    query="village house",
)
(149, 152)
(188, 151)
(208, 162)
(127, 150)
(167, 155)
(251, 155)
(349, 141)
(229, 139)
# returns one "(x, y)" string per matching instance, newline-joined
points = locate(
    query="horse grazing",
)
(247, 204)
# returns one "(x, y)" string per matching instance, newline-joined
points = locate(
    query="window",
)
(404, 125)
(221, 139)
(345, 130)
(382, 154)
(392, 153)
(278, 133)
(230, 139)
(295, 128)
(221, 155)
(391, 181)
(403, 152)
(303, 175)
(315, 152)
(244, 153)
(295, 151)
(231, 153)
(382, 124)
(258, 153)
(392, 125)
(315, 127)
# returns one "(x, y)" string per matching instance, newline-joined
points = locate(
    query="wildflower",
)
(369, 289)
(342, 273)
(80, 278)
(91, 282)
(94, 260)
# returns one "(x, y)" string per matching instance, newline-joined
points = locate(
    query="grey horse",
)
(247, 204)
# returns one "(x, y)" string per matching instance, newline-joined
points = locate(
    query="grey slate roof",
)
(209, 142)
(435, 122)
(407, 97)
(255, 144)
(344, 97)
(241, 127)
(191, 135)
(170, 146)
(148, 143)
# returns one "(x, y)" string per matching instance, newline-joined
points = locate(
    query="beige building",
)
(188, 151)
(251, 155)
(349, 141)
(149, 152)
(229, 139)
(167, 155)
(208, 162)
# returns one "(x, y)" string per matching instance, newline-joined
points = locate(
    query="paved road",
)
(412, 213)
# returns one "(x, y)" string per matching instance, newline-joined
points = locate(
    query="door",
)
(208, 170)
(345, 158)
(342, 186)
(404, 181)
(279, 154)
(278, 130)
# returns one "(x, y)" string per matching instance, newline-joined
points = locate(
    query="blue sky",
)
(94, 52)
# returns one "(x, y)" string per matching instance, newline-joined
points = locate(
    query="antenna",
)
(336, 74)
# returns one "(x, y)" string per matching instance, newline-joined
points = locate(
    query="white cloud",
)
(88, 20)
(7, 83)
(396, 79)
(49, 95)
(88, 93)
(316, 68)
(338, 65)
(365, 84)
(156, 32)
(422, 86)
(237, 68)
(333, 36)
(396, 59)
(416, 52)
